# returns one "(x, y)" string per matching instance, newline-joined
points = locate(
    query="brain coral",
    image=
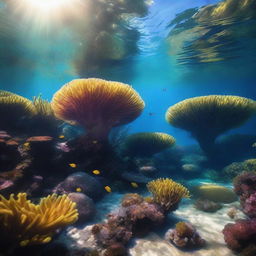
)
(25, 223)
(97, 105)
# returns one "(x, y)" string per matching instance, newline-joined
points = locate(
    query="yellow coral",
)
(215, 193)
(27, 223)
(97, 105)
(207, 117)
(43, 107)
(167, 192)
(13, 109)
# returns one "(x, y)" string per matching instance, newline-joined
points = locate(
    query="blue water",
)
(45, 63)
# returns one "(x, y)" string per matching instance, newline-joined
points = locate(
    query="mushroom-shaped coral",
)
(97, 105)
(18, 109)
(25, 223)
(207, 117)
(147, 143)
(167, 193)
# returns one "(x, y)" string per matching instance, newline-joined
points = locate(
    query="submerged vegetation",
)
(75, 179)
(215, 114)
(25, 223)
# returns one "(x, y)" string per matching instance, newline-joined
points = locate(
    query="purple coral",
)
(249, 206)
(135, 217)
(245, 187)
(240, 235)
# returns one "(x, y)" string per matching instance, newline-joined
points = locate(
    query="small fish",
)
(61, 137)
(108, 189)
(164, 90)
(78, 189)
(134, 185)
(26, 144)
(94, 141)
(151, 114)
(96, 172)
(72, 165)
(254, 145)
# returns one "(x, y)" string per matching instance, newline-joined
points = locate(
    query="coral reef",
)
(245, 188)
(240, 235)
(167, 193)
(185, 236)
(98, 105)
(135, 218)
(215, 193)
(215, 114)
(25, 223)
(146, 144)
(207, 205)
(236, 168)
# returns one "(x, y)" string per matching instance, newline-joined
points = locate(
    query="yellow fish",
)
(26, 144)
(134, 185)
(108, 189)
(72, 165)
(96, 172)
(78, 189)
(61, 137)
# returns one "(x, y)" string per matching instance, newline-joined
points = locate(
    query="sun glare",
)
(41, 14)
(47, 5)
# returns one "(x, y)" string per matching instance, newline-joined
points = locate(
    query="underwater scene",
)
(128, 127)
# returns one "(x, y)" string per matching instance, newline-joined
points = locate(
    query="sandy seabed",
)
(208, 225)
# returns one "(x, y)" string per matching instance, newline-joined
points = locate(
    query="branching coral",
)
(43, 107)
(97, 105)
(17, 108)
(167, 193)
(44, 117)
(207, 117)
(147, 143)
(26, 223)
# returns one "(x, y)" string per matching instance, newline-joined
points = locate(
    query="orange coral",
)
(96, 104)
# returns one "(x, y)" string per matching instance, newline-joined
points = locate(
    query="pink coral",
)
(240, 235)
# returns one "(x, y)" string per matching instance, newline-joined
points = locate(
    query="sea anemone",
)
(167, 193)
(25, 223)
(18, 109)
(147, 143)
(207, 117)
(97, 105)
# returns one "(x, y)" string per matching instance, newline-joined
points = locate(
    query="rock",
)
(86, 184)
(85, 206)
